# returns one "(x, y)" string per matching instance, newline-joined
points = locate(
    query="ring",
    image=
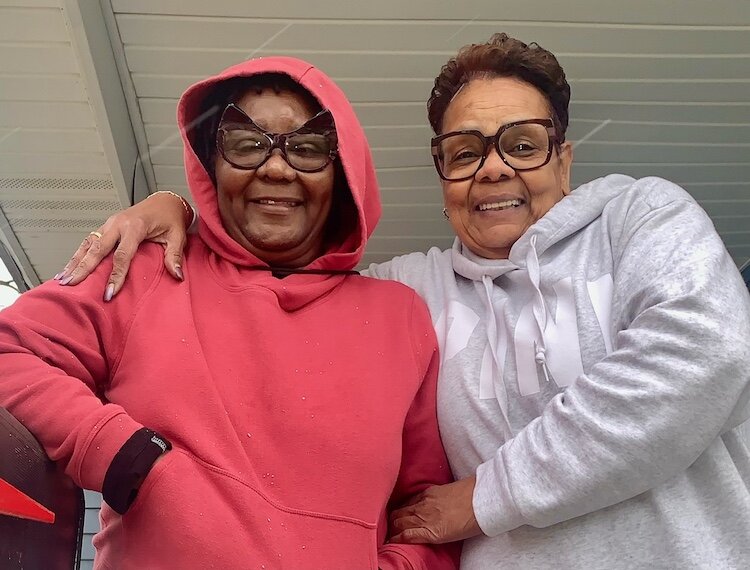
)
(97, 234)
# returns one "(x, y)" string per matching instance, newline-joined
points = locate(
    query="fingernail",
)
(110, 291)
(67, 280)
(58, 275)
(178, 271)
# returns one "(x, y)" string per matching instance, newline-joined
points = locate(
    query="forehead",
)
(487, 104)
(280, 112)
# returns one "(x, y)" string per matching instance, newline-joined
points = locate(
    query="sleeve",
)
(379, 270)
(424, 462)
(58, 345)
(677, 378)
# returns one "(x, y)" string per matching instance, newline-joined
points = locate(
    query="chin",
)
(497, 240)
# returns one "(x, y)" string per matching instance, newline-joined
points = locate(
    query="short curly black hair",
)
(502, 56)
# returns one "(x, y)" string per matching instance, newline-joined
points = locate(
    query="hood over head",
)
(348, 228)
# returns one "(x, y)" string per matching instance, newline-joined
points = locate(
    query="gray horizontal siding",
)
(90, 528)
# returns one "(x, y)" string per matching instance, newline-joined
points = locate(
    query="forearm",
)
(419, 556)
(98, 445)
(75, 428)
(55, 349)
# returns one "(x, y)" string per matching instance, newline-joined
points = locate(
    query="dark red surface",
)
(31, 489)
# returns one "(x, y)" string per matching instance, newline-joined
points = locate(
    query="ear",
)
(565, 156)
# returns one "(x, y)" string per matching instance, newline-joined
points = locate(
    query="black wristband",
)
(130, 466)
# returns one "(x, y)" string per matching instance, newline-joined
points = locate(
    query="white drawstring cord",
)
(539, 308)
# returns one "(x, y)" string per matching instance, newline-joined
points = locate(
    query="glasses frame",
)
(495, 141)
(279, 140)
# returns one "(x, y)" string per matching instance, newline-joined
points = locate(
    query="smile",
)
(279, 203)
(496, 206)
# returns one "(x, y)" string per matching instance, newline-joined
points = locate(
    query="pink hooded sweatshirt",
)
(301, 410)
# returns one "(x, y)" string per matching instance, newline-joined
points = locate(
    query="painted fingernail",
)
(58, 275)
(178, 271)
(67, 280)
(110, 291)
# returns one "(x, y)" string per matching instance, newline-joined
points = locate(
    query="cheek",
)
(320, 187)
(545, 191)
(454, 193)
(224, 183)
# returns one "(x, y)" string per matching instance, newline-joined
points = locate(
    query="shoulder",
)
(147, 264)
(412, 269)
(647, 201)
(144, 272)
(52, 303)
(650, 193)
(376, 285)
(395, 298)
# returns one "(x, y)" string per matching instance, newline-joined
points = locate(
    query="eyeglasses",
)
(522, 145)
(246, 146)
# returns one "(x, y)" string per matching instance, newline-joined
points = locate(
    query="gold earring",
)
(445, 213)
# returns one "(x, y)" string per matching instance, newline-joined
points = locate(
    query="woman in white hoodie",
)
(595, 343)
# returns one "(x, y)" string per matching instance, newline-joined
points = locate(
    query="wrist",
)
(188, 211)
(130, 466)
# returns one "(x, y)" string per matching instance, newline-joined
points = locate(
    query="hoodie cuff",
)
(130, 467)
(494, 507)
(108, 438)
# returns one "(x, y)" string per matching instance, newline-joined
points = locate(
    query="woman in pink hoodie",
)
(228, 423)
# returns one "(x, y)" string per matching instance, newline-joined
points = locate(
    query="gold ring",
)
(97, 234)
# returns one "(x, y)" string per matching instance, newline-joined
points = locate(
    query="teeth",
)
(277, 202)
(500, 205)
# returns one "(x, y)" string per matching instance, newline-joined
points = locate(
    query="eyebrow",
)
(473, 126)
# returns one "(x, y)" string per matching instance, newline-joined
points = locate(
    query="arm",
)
(676, 380)
(57, 349)
(647, 411)
(163, 217)
(424, 463)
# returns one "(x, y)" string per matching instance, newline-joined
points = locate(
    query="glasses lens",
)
(244, 148)
(308, 151)
(525, 146)
(459, 155)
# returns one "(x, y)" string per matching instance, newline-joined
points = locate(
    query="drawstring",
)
(496, 377)
(539, 308)
(540, 355)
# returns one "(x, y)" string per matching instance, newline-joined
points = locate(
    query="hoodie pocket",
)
(190, 514)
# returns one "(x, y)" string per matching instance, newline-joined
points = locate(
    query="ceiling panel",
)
(659, 88)
(440, 39)
(45, 140)
(52, 165)
(685, 12)
(669, 112)
(43, 58)
(42, 87)
(43, 114)
(19, 24)
(27, 164)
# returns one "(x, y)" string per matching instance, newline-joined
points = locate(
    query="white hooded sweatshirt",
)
(595, 382)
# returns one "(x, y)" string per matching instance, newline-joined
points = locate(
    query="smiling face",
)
(490, 211)
(275, 212)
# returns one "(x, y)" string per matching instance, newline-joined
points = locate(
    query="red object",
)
(17, 504)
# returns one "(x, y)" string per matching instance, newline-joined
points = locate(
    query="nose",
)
(276, 168)
(494, 168)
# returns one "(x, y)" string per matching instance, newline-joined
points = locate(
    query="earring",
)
(445, 213)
